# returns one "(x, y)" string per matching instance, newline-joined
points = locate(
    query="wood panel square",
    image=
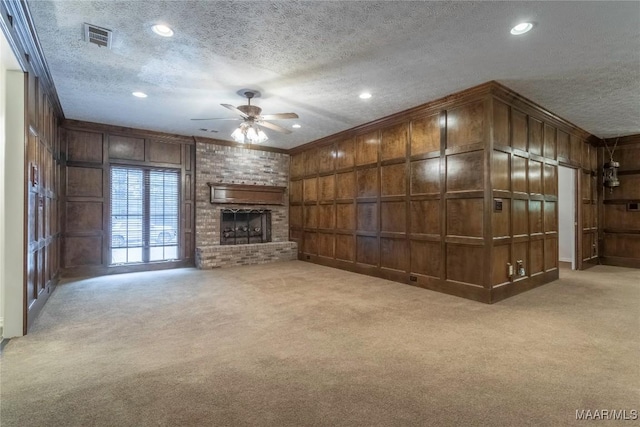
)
(310, 243)
(501, 220)
(535, 217)
(393, 217)
(426, 258)
(327, 187)
(84, 182)
(550, 216)
(84, 146)
(345, 154)
(465, 217)
(564, 149)
(465, 172)
(126, 148)
(518, 130)
(345, 216)
(536, 252)
(164, 152)
(311, 216)
(550, 180)
(500, 171)
(393, 180)
(326, 216)
(575, 144)
(425, 217)
(465, 125)
(310, 162)
(367, 219)
(499, 268)
(394, 142)
(549, 142)
(82, 251)
(325, 245)
(535, 177)
(346, 185)
(326, 158)
(535, 136)
(368, 182)
(394, 254)
(295, 216)
(425, 135)
(83, 216)
(425, 176)
(519, 217)
(550, 253)
(311, 189)
(500, 124)
(295, 191)
(345, 247)
(519, 174)
(465, 264)
(297, 165)
(367, 148)
(367, 250)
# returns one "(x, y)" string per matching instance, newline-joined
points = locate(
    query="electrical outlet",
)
(521, 270)
(510, 271)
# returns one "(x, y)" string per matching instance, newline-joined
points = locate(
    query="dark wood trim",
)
(246, 194)
(410, 114)
(125, 131)
(622, 140)
(493, 87)
(498, 293)
(620, 262)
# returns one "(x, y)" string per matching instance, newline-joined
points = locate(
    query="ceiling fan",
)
(250, 116)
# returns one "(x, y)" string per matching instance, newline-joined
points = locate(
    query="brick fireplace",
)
(243, 182)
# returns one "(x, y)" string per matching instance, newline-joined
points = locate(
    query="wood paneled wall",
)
(42, 162)
(43, 172)
(411, 197)
(91, 149)
(620, 231)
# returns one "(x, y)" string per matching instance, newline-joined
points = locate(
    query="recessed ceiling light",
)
(162, 30)
(521, 28)
(296, 126)
(365, 95)
(139, 94)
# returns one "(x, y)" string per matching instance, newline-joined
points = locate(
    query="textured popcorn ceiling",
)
(581, 60)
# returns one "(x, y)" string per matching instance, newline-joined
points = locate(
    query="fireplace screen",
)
(243, 226)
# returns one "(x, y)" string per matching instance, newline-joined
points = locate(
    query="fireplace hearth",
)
(245, 226)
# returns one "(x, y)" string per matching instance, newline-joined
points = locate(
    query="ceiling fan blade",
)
(273, 127)
(218, 118)
(279, 116)
(235, 110)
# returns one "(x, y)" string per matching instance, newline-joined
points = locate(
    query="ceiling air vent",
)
(97, 35)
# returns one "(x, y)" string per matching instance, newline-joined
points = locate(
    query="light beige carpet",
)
(296, 344)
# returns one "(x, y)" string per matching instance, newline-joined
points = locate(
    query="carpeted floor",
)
(296, 344)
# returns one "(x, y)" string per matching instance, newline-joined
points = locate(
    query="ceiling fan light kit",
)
(249, 130)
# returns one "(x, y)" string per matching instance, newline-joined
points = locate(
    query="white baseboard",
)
(565, 260)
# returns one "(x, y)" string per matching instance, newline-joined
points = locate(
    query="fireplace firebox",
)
(245, 226)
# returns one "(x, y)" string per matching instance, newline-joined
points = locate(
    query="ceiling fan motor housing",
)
(250, 110)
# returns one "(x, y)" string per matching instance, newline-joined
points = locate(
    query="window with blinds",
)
(144, 215)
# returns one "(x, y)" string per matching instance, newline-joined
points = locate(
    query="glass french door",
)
(144, 215)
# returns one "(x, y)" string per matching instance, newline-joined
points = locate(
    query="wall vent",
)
(97, 35)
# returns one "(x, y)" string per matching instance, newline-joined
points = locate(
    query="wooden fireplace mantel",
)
(246, 194)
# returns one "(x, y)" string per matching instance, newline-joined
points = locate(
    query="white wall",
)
(567, 215)
(12, 157)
